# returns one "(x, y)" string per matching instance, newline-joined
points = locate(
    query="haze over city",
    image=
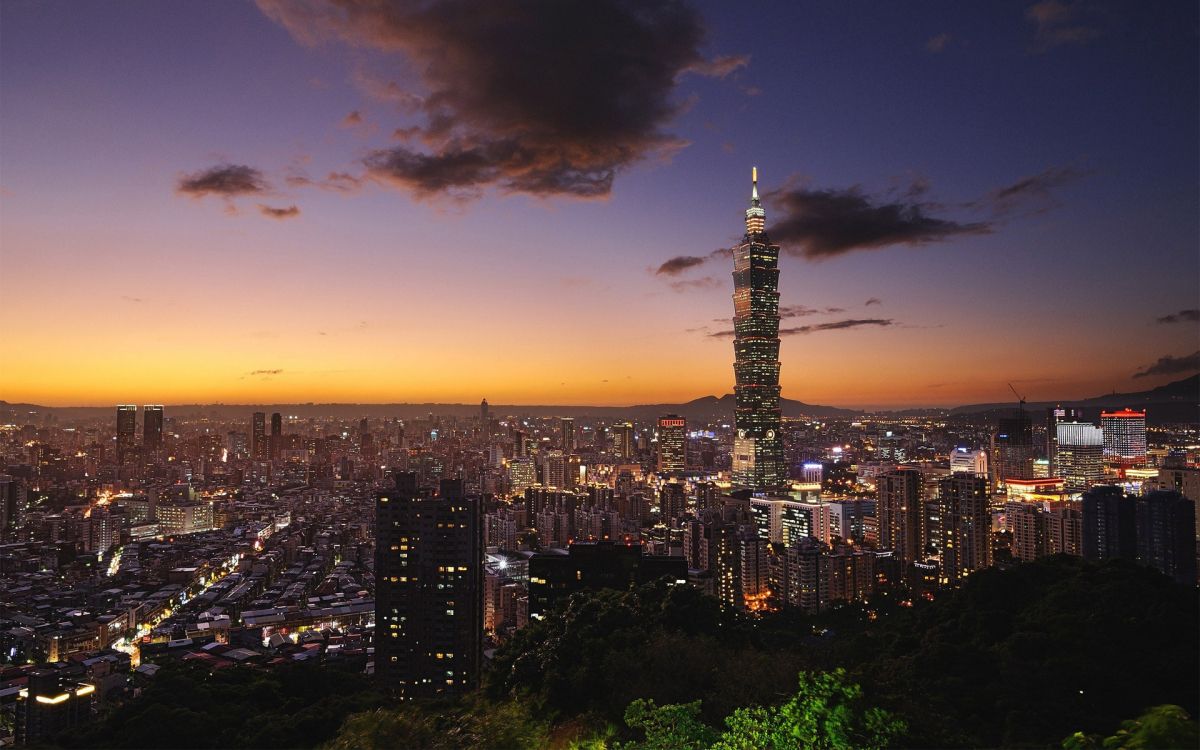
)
(278, 202)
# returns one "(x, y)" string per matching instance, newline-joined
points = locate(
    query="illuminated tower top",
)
(756, 217)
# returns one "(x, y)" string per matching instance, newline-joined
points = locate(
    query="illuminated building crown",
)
(756, 217)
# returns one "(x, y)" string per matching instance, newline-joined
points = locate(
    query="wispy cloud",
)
(271, 212)
(1189, 315)
(265, 373)
(936, 44)
(718, 67)
(686, 285)
(1057, 23)
(802, 311)
(1031, 194)
(873, 301)
(836, 325)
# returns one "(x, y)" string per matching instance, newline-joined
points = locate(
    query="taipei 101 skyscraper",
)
(758, 448)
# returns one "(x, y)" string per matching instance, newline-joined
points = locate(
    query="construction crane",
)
(1020, 398)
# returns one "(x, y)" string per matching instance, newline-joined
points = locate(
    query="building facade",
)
(428, 590)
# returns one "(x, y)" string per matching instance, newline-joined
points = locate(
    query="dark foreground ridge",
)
(1026, 657)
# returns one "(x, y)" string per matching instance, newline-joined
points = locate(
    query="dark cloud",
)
(352, 119)
(836, 325)
(1170, 365)
(818, 224)
(937, 43)
(681, 263)
(265, 372)
(1181, 316)
(1030, 193)
(225, 180)
(533, 96)
(271, 212)
(127, 298)
(1056, 23)
(873, 301)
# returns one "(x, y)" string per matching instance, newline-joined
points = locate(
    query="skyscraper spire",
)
(756, 217)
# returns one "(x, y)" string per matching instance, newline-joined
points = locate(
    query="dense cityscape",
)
(411, 549)
(357, 352)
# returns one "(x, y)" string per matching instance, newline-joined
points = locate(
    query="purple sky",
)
(1015, 183)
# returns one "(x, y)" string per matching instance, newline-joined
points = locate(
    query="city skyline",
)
(1019, 169)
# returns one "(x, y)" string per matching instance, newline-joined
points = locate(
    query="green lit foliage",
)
(827, 712)
(672, 727)
(475, 725)
(1158, 727)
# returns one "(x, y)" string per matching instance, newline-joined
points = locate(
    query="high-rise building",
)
(809, 575)
(758, 447)
(484, 418)
(103, 529)
(126, 431)
(899, 510)
(275, 441)
(672, 444)
(566, 435)
(12, 507)
(258, 437)
(152, 427)
(1184, 480)
(967, 461)
(672, 501)
(1012, 449)
(522, 474)
(725, 542)
(50, 704)
(1124, 436)
(428, 590)
(1054, 415)
(1108, 524)
(788, 521)
(554, 470)
(962, 537)
(622, 440)
(1079, 454)
(1166, 534)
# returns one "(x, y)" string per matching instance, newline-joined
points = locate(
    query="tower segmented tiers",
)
(758, 448)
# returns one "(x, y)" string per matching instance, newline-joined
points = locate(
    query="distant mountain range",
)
(1178, 401)
(1174, 402)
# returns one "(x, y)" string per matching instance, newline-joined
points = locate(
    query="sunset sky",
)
(441, 201)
